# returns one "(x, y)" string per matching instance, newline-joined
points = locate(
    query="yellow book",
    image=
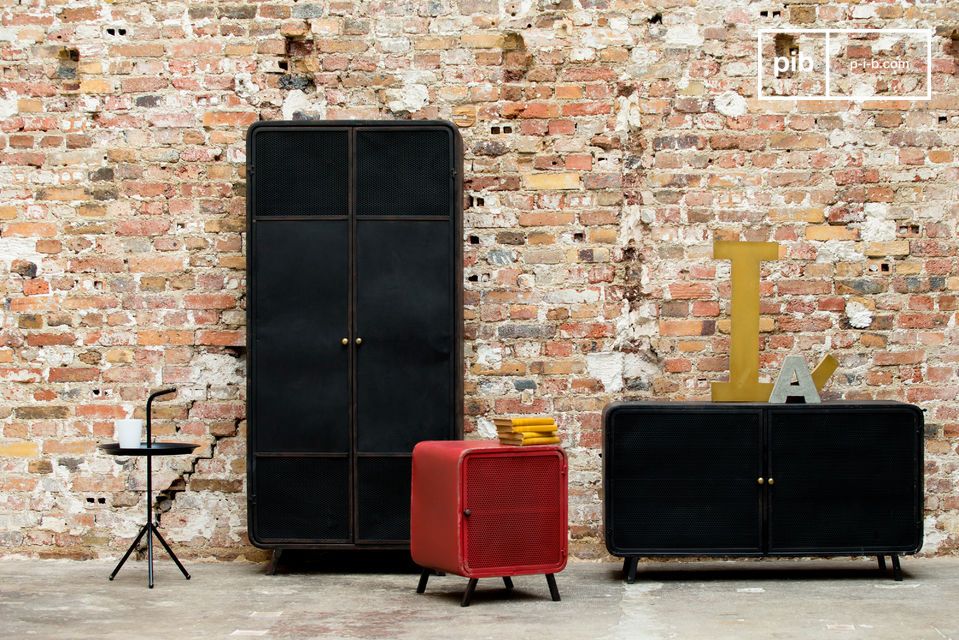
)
(531, 441)
(527, 436)
(523, 422)
(533, 428)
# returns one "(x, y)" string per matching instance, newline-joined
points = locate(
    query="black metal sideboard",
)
(756, 479)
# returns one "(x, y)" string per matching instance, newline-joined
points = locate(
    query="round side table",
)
(149, 450)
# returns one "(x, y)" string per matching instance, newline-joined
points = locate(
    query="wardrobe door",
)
(404, 318)
(301, 316)
(404, 315)
(299, 297)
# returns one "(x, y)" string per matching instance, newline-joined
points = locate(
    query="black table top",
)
(156, 449)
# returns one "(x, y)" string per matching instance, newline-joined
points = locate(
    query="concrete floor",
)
(744, 599)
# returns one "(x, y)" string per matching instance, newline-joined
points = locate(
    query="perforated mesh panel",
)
(684, 480)
(516, 517)
(302, 498)
(383, 495)
(403, 172)
(845, 479)
(302, 173)
(404, 312)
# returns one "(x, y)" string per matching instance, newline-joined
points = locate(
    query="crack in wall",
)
(164, 499)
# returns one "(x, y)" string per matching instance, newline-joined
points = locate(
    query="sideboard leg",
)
(632, 565)
(882, 562)
(553, 589)
(424, 578)
(896, 569)
(508, 582)
(274, 562)
(470, 588)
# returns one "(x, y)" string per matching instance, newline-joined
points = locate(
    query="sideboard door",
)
(845, 479)
(683, 481)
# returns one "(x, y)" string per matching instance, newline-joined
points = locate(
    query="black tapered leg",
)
(553, 589)
(129, 551)
(424, 578)
(468, 595)
(150, 556)
(149, 512)
(508, 582)
(882, 562)
(170, 552)
(274, 562)
(632, 564)
(896, 568)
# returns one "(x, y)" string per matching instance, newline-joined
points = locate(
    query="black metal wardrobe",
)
(354, 274)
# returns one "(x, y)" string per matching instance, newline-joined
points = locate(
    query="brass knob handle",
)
(760, 481)
(345, 341)
(771, 481)
(359, 341)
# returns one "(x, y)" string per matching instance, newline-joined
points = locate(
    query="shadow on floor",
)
(446, 588)
(804, 569)
(307, 561)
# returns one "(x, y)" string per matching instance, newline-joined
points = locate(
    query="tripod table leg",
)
(150, 555)
(170, 552)
(129, 551)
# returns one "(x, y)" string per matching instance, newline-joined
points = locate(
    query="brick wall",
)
(607, 144)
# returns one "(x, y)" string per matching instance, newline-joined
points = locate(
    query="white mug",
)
(128, 432)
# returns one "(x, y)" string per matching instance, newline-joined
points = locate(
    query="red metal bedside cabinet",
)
(481, 510)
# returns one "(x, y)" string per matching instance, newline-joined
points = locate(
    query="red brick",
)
(686, 327)
(73, 374)
(165, 337)
(691, 291)
(210, 301)
(29, 229)
(221, 338)
(49, 339)
(899, 357)
(229, 118)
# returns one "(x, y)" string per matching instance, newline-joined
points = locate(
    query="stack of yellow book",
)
(526, 431)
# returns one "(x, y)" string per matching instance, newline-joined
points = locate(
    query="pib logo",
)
(844, 64)
(795, 61)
